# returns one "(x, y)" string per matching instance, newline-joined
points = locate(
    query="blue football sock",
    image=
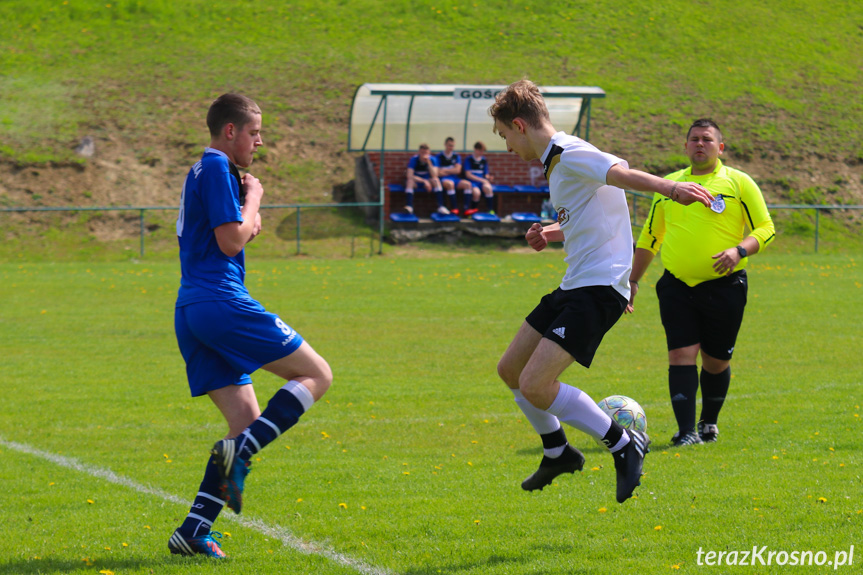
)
(282, 412)
(208, 503)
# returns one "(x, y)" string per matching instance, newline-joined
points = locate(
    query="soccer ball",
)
(625, 411)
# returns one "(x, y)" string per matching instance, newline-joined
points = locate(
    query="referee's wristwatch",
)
(742, 251)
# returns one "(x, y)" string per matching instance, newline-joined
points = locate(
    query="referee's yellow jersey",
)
(691, 235)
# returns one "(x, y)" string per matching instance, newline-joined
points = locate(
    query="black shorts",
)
(577, 319)
(709, 313)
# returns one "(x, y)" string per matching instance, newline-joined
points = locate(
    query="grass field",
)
(412, 462)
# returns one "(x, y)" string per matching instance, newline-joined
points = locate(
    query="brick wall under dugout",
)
(507, 168)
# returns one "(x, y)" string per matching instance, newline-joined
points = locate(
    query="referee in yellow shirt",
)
(702, 293)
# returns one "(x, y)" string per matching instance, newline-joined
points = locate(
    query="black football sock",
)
(714, 387)
(683, 387)
(612, 437)
(553, 443)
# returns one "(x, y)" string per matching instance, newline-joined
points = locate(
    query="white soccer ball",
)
(625, 411)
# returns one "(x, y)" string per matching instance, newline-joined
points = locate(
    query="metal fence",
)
(142, 210)
(636, 198)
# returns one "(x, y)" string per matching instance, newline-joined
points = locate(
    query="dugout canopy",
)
(399, 117)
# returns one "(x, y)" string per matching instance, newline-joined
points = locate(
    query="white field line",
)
(276, 532)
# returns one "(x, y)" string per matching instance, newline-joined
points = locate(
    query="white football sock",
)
(574, 407)
(542, 421)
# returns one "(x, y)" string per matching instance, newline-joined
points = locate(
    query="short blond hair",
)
(523, 100)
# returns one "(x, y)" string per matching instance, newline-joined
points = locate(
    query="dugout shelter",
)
(388, 122)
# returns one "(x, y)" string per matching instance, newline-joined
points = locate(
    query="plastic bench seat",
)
(404, 217)
(526, 217)
(444, 217)
(485, 217)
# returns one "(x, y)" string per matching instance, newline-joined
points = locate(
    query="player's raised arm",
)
(684, 193)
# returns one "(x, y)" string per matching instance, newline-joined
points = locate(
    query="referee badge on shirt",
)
(718, 205)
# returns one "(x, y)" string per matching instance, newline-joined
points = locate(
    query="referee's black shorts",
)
(577, 319)
(709, 313)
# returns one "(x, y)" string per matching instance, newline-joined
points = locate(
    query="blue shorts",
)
(224, 341)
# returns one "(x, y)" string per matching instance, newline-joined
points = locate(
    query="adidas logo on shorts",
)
(559, 332)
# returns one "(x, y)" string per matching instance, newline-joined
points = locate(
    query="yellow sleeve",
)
(757, 217)
(653, 231)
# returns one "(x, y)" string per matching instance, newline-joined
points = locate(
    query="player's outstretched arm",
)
(684, 193)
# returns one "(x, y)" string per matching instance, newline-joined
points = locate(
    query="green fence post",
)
(817, 222)
(142, 233)
(298, 230)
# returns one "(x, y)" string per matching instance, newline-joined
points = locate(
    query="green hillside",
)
(791, 70)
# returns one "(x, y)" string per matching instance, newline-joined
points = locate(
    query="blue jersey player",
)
(450, 169)
(422, 173)
(224, 335)
(477, 177)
